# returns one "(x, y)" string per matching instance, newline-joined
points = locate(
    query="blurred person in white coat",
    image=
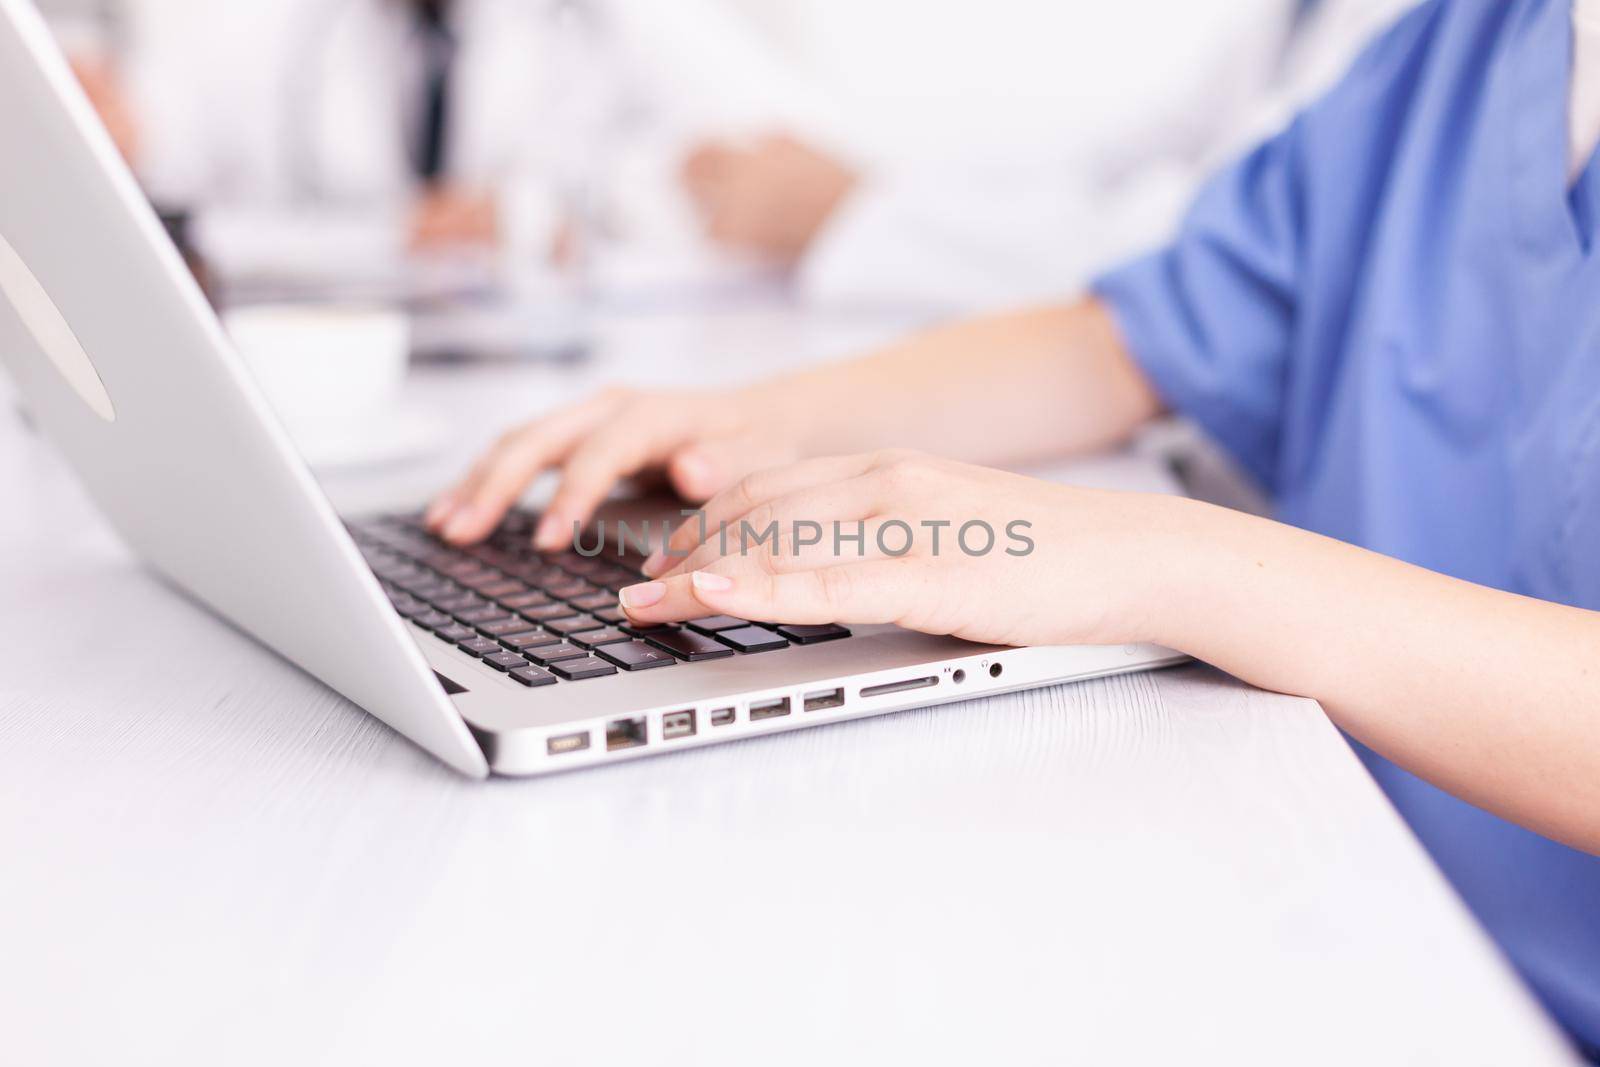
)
(445, 111)
(884, 151)
(967, 155)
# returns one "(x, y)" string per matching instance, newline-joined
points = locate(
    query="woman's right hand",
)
(703, 440)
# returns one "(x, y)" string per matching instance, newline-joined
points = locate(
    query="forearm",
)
(999, 390)
(1493, 697)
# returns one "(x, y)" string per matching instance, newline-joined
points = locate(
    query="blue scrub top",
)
(1390, 315)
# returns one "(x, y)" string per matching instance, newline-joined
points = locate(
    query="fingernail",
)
(707, 582)
(438, 511)
(694, 472)
(652, 566)
(642, 596)
(461, 524)
(548, 534)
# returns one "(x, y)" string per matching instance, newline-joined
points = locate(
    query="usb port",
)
(677, 724)
(769, 709)
(823, 700)
(722, 717)
(560, 746)
(624, 733)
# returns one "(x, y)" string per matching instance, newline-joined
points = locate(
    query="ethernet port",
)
(625, 733)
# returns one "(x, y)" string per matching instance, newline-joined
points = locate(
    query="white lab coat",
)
(274, 103)
(1078, 144)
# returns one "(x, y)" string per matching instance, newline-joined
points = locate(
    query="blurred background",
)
(505, 181)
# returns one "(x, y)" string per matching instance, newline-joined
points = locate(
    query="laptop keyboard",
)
(545, 617)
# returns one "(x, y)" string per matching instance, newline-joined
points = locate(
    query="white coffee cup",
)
(318, 363)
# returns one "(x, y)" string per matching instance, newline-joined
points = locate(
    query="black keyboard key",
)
(595, 638)
(501, 627)
(412, 583)
(505, 661)
(752, 639)
(517, 523)
(611, 616)
(570, 625)
(479, 646)
(531, 639)
(594, 601)
(548, 654)
(811, 635)
(434, 589)
(539, 574)
(533, 676)
(433, 620)
(459, 602)
(455, 632)
(715, 624)
(477, 616)
(489, 555)
(614, 573)
(570, 589)
(482, 585)
(690, 646)
(587, 667)
(410, 607)
(644, 629)
(636, 656)
(502, 588)
(520, 601)
(545, 611)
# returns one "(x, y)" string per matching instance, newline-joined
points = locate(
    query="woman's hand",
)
(944, 547)
(703, 440)
(450, 217)
(772, 197)
(1015, 387)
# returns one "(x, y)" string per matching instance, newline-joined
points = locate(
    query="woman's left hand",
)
(944, 548)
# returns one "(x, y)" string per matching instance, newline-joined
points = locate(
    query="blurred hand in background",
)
(770, 197)
(451, 217)
(105, 91)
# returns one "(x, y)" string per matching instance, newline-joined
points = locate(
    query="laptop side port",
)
(824, 699)
(898, 687)
(676, 724)
(722, 717)
(624, 733)
(768, 709)
(560, 746)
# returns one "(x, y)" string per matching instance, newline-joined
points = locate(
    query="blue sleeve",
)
(1211, 318)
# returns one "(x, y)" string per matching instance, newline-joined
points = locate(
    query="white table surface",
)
(210, 858)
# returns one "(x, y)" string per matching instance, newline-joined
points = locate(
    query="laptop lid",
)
(122, 363)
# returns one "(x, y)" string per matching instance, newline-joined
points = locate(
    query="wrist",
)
(1178, 554)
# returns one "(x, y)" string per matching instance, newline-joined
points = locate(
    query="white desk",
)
(209, 858)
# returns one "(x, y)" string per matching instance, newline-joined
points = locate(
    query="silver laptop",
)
(493, 658)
